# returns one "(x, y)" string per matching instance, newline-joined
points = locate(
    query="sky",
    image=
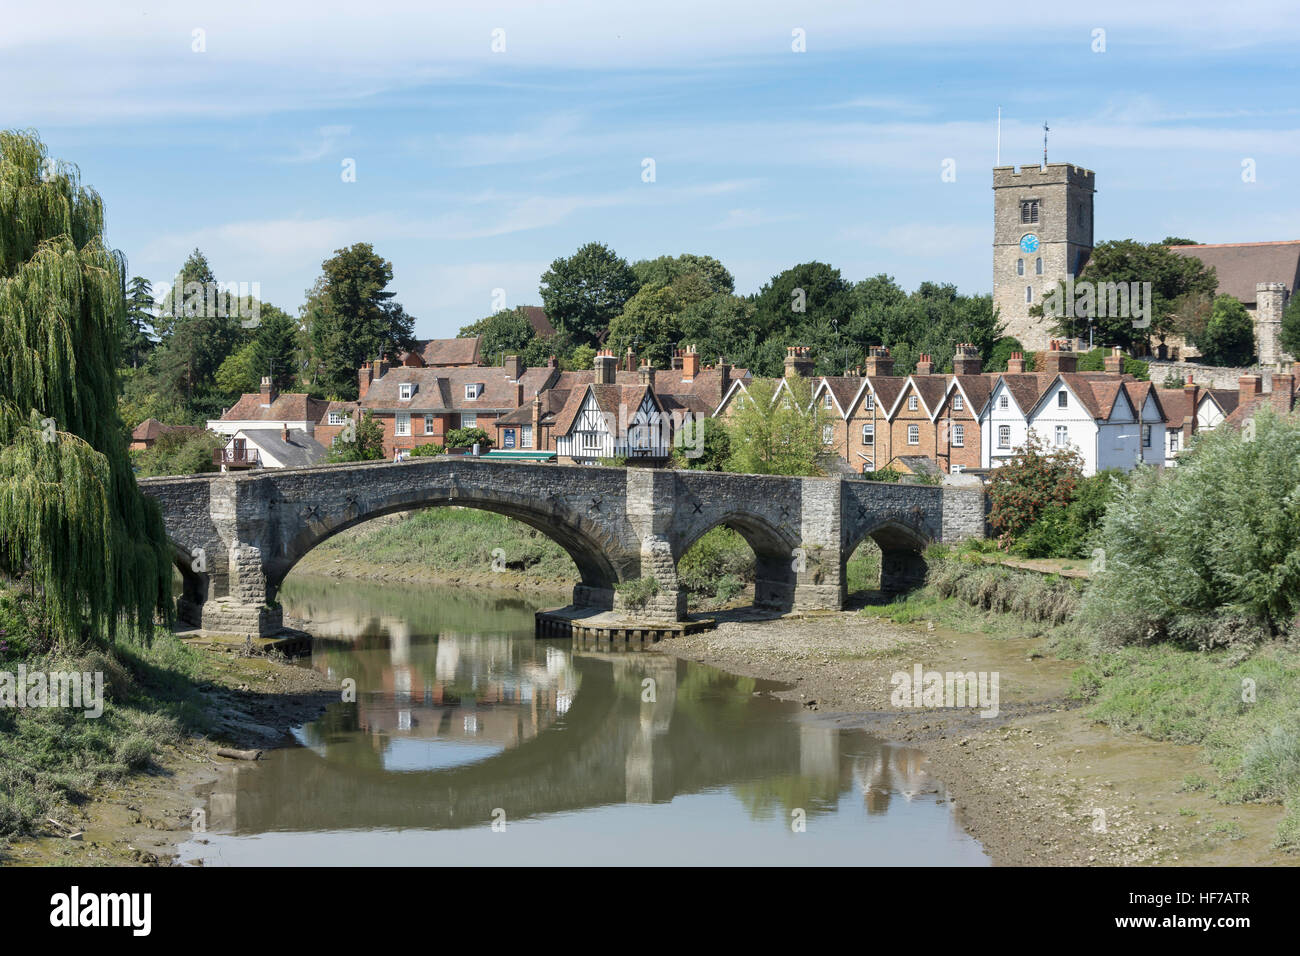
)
(489, 138)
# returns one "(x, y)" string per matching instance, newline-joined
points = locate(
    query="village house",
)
(150, 430)
(269, 429)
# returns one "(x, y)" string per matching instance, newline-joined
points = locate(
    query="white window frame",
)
(828, 434)
(1062, 399)
(911, 403)
(469, 420)
(428, 424)
(1004, 436)
(869, 403)
(473, 391)
(829, 402)
(959, 436)
(337, 418)
(1003, 402)
(958, 404)
(869, 433)
(526, 436)
(914, 434)
(1062, 436)
(590, 441)
(402, 425)
(1175, 438)
(405, 391)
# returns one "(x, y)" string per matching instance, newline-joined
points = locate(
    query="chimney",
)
(363, 380)
(724, 378)
(797, 362)
(514, 367)
(646, 374)
(605, 367)
(966, 360)
(690, 364)
(1114, 362)
(537, 421)
(677, 360)
(1283, 394)
(1060, 358)
(552, 362)
(268, 391)
(1016, 364)
(1193, 393)
(284, 432)
(924, 365)
(879, 362)
(1248, 388)
(629, 360)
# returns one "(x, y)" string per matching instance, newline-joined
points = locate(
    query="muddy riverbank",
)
(1040, 783)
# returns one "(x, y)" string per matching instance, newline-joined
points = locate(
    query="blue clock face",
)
(1029, 243)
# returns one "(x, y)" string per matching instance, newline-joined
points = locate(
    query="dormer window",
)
(405, 391)
(473, 390)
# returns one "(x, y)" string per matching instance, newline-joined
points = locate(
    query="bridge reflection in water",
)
(462, 718)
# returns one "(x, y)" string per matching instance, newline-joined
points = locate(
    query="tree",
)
(665, 270)
(806, 302)
(468, 438)
(136, 340)
(1291, 327)
(188, 293)
(353, 317)
(1229, 337)
(1001, 354)
(583, 293)
(703, 444)
(275, 347)
(364, 442)
(1126, 261)
(781, 437)
(507, 332)
(178, 453)
(1035, 478)
(72, 521)
(1176, 241)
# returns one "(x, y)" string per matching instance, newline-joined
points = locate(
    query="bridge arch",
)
(775, 574)
(902, 553)
(586, 542)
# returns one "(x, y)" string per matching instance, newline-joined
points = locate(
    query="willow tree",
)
(73, 524)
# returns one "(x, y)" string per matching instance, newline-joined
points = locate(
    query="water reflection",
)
(462, 718)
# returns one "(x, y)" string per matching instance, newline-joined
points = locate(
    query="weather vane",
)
(1045, 129)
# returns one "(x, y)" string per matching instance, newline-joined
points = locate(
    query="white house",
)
(612, 421)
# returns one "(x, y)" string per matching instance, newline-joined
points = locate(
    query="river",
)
(470, 742)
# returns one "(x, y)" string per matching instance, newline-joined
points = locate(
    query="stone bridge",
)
(236, 536)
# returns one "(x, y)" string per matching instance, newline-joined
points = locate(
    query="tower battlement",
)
(1053, 174)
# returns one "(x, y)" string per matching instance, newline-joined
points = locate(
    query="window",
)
(404, 391)
(959, 436)
(869, 404)
(428, 424)
(1029, 210)
(1004, 436)
(403, 425)
(591, 441)
(1029, 293)
(1020, 267)
(1146, 436)
(958, 403)
(1038, 266)
(785, 402)
(1002, 402)
(641, 437)
(911, 403)
(914, 434)
(508, 438)
(829, 406)
(1062, 436)
(828, 434)
(526, 437)
(337, 418)
(1173, 442)
(1062, 399)
(469, 420)
(868, 434)
(473, 390)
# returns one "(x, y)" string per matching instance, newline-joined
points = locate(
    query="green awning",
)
(521, 455)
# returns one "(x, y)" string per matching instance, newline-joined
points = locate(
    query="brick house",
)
(150, 430)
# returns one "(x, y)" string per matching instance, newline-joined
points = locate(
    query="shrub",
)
(637, 592)
(428, 450)
(468, 438)
(1034, 479)
(365, 442)
(1208, 553)
(719, 554)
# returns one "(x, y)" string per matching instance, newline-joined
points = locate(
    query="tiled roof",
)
(300, 451)
(978, 388)
(150, 429)
(443, 389)
(537, 318)
(931, 389)
(445, 352)
(287, 407)
(1239, 265)
(844, 388)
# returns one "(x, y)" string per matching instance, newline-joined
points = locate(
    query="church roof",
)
(1239, 265)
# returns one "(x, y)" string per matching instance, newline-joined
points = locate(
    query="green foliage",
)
(666, 270)
(637, 593)
(178, 453)
(1035, 478)
(428, 450)
(887, 475)
(1229, 336)
(1291, 326)
(703, 444)
(1126, 261)
(719, 554)
(365, 444)
(584, 292)
(72, 521)
(352, 317)
(1031, 596)
(1208, 553)
(781, 437)
(1000, 354)
(136, 340)
(1068, 531)
(507, 332)
(468, 438)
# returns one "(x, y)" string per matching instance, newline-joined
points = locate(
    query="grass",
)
(54, 758)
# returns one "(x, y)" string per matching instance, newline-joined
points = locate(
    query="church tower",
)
(1042, 234)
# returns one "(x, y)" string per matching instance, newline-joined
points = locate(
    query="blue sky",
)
(474, 168)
